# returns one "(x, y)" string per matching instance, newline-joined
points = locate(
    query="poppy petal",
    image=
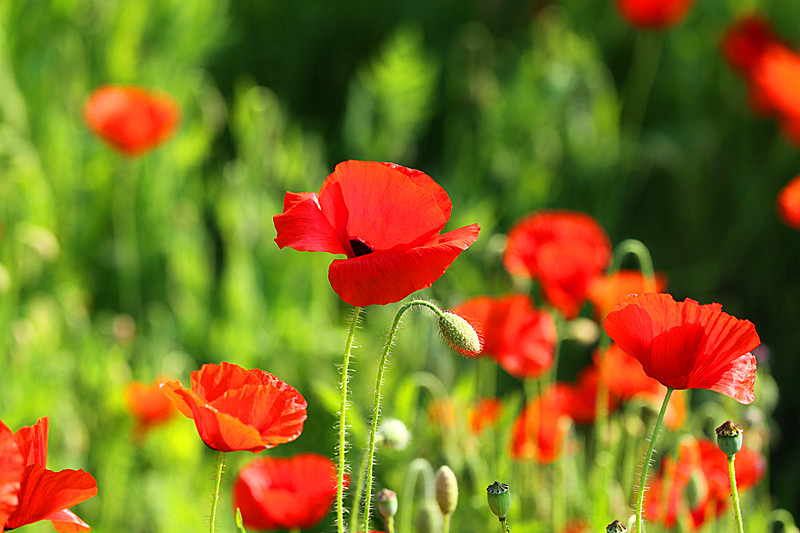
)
(65, 521)
(385, 209)
(45, 492)
(427, 183)
(32, 442)
(736, 380)
(12, 465)
(171, 389)
(213, 381)
(303, 226)
(388, 277)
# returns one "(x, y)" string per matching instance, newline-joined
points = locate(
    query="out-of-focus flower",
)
(789, 203)
(750, 469)
(581, 404)
(685, 345)
(744, 42)
(520, 338)
(386, 219)
(279, 493)
(607, 291)
(238, 409)
(29, 492)
(541, 431)
(563, 250)
(654, 14)
(131, 119)
(148, 405)
(777, 75)
(442, 412)
(484, 413)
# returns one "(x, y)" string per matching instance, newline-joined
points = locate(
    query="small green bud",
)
(459, 334)
(729, 438)
(446, 490)
(387, 503)
(616, 527)
(429, 520)
(499, 499)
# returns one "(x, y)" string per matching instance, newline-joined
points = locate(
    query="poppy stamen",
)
(360, 247)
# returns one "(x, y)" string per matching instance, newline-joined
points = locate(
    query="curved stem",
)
(647, 458)
(735, 494)
(215, 495)
(639, 250)
(343, 421)
(377, 399)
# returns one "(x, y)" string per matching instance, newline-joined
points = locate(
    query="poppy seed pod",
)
(459, 334)
(616, 527)
(729, 438)
(387, 503)
(446, 490)
(499, 499)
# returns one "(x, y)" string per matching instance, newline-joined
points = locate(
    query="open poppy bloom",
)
(237, 409)
(541, 431)
(386, 219)
(148, 405)
(654, 14)
(279, 493)
(131, 119)
(29, 492)
(520, 338)
(562, 250)
(685, 345)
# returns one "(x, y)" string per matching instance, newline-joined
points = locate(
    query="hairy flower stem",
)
(376, 409)
(357, 494)
(648, 457)
(503, 525)
(343, 421)
(215, 495)
(735, 494)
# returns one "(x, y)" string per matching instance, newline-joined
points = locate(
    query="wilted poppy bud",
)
(387, 503)
(394, 434)
(459, 334)
(446, 490)
(729, 438)
(429, 520)
(616, 527)
(499, 499)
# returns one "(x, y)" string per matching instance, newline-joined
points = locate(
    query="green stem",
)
(446, 523)
(215, 495)
(390, 525)
(295, 530)
(354, 508)
(343, 421)
(639, 250)
(648, 457)
(735, 493)
(126, 239)
(376, 409)
(503, 525)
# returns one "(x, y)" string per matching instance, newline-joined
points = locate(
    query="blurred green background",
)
(511, 106)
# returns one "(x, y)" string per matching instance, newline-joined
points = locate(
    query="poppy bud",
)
(387, 503)
(429, 520)
(696, 490)
(446, 490)
(616, 527)
(499, 499)
(729, 438)
(459, 334)
(394, 434)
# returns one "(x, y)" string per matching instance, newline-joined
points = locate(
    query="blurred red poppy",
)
(29, 492)
(654, 14)
(386, 219)
(520, 338)
(131, 119)
(280, 493)
(237, 409)
(541, 431)
(777, 76)
(148, 405)
(581, 404)
(685, 345)
(789, 203)
(744, 42)
(484, 413)
(750, 469)
(607, 291)
(563, 250)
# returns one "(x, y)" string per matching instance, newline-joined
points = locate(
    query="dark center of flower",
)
(360, 247)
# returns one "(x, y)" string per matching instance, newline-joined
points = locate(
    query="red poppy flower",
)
(237, 409)
(777, 76)
(29, 492)
(581, 404)
(654, 14)
(607, 291)
(386, 219)
(279, 493)
(541, 431)
(485, 412)
(131, 119)
(148, 405)
(563, 250)
(685, 345)
(745, 41)
(520, 338)
(789, 203)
